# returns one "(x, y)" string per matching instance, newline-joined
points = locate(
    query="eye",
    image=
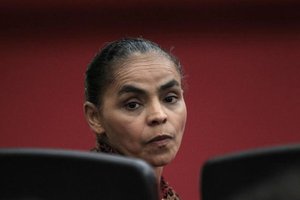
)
(132, 105)
(171, 99)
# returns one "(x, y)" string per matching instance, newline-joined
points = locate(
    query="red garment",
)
(166, 192)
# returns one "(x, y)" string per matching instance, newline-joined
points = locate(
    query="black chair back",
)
(263, 174)
(48, 174)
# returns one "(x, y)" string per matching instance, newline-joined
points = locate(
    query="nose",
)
(156, 114)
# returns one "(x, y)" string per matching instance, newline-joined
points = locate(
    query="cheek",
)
(181, 117)
(181, 121)
(122, 128)
(184, 121)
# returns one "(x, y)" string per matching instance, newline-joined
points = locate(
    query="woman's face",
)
(143, 112)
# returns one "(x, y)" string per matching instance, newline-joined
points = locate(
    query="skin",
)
(143, 113)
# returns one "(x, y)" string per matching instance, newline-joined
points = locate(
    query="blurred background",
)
(241, 60)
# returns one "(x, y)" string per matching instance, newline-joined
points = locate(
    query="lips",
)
(160, 138)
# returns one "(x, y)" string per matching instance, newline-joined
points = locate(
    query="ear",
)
(92, 117)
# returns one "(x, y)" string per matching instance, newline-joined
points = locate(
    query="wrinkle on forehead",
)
(143, 64)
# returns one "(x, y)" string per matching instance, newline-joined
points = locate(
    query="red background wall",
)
(241, 60)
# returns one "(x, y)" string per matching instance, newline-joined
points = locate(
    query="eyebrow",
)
(134, 89)
(131, 89)
(168, 85)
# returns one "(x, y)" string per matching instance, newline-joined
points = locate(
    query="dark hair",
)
(100, 71)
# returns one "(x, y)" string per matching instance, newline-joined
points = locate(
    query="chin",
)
(161, 161)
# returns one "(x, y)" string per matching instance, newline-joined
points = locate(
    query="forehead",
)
(141, 66)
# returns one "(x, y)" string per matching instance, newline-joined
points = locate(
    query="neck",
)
(103, 146)
(158, 173)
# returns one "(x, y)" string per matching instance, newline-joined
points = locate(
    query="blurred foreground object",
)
(64, 174)
(262, 174)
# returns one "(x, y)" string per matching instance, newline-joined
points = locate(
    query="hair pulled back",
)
(100, 71)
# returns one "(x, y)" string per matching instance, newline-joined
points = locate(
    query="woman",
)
(135, 105)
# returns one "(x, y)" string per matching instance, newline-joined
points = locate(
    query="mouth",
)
(160, 140)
